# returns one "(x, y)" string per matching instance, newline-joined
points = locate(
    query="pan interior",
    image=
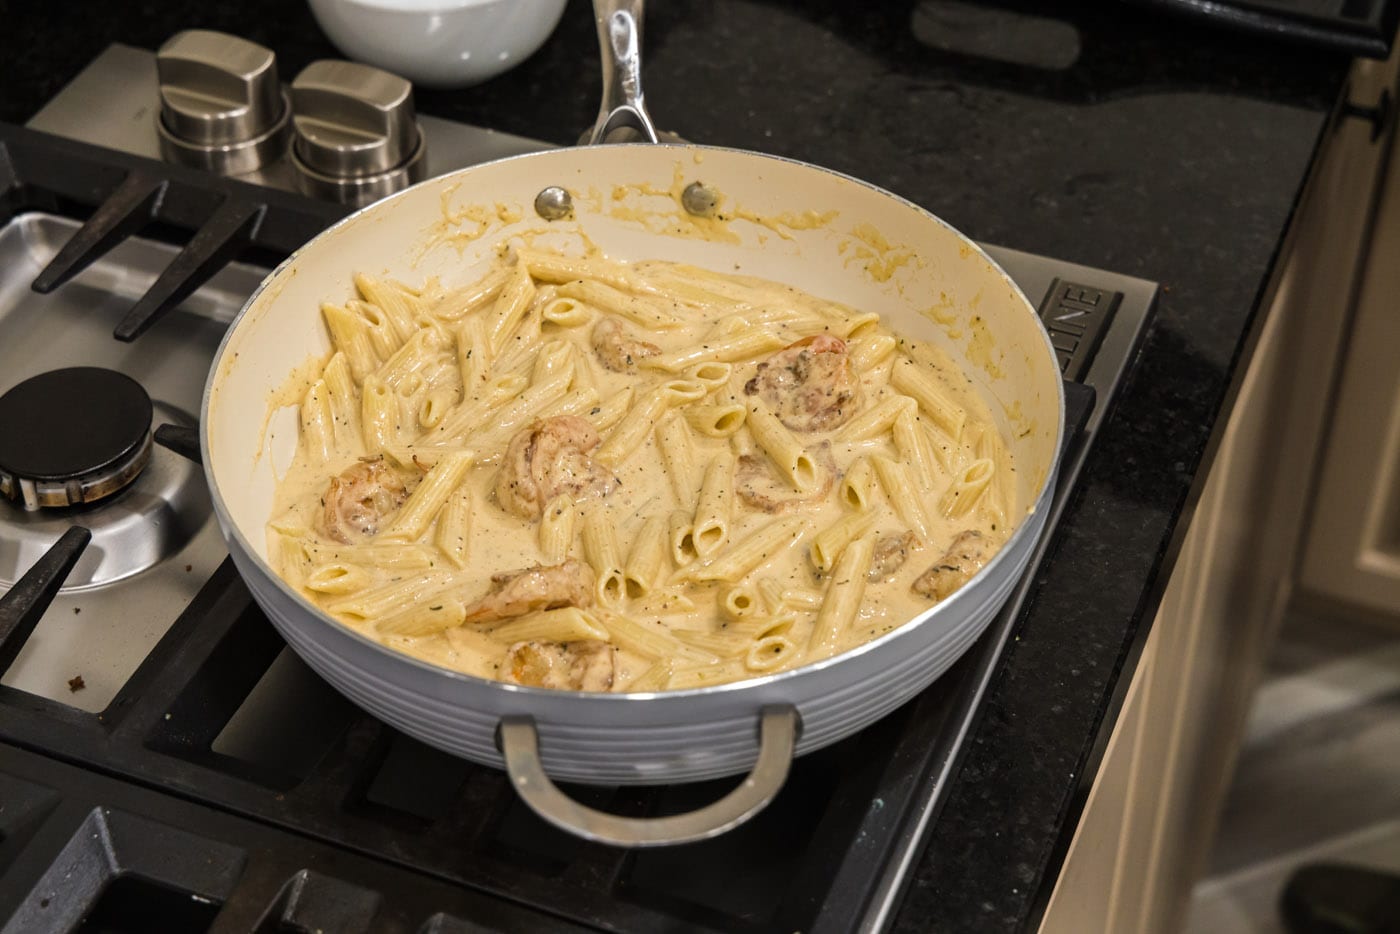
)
(785, 221)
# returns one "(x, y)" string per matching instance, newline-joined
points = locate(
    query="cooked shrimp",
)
(891, 551)
(548, 458)
(564, 666)
(759, 485)
(542, 587)
(360, 498)
(964, 558)
(616, 349)
(810, 385)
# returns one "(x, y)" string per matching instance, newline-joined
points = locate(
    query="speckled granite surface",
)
(1165, 150)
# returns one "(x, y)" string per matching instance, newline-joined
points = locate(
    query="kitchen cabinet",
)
(1149, 817)
(1351, 560)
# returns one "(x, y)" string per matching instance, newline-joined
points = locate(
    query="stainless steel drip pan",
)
(147, 559)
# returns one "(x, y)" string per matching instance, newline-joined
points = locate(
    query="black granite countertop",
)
(1116, 137)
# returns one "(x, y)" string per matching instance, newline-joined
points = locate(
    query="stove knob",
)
(222, 107)
(356, 136)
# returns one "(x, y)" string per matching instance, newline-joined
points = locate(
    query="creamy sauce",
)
(776, 606)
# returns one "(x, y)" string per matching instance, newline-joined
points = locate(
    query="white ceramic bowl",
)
(439, 43)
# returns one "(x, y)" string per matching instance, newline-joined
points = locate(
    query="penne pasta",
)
(345, 409)
(712, 509)
(831, 542)
(427, 498)
(717, 421)
(645, 559)
(644, 311)
(792, 460)
(843, 596)
(337, 577)
(654, 678)
(898, 483)
(350, 337)
(600, 551)
(690, 522)
(398, 303)
(453, 535)
(680, 531)
(876, 421)
(423, 619)
(857, 488)
(557, 524)
(459, 303)
(566, 624)
(917, 450)
(745, 344)
(566, 312)
(749, 552)
(610, 412)
(967, 487)
(945, 414)
(379, 416)
(317, 423)
(509, 309)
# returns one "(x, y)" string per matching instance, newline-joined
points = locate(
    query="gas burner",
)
(72, 436)
(152, 517)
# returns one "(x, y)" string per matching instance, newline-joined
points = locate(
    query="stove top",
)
(1356, 27)
(151, 774)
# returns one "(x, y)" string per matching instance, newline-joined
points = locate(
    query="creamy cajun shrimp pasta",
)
(587, 475)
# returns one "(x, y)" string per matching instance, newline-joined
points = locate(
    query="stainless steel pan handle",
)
(777, 737)
(620, 42)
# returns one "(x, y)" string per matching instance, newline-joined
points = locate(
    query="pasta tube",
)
(510, 307)
(712, 508)
(876, 420)
(946, 415)
(379, 415)
(345, 411)
(678, 455)
(399, 305)
(908, 503)
(717, 421)
(459, 303)
(843, 597)
(969, 484)
(317, 423)
(567, 624)
(681, 534)
(792, 460)
(649, 313)
(454, 526)
(600, 550)
(831, 542)
(857, 488)
(740, 347)
(427, 498)
(916, 449)
(750, 551)
(350, 336)
(557, 528)
(424, 619)
(642, 572)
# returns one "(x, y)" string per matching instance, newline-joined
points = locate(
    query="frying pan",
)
(824, 232)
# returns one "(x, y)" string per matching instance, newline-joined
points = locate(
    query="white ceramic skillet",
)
(823, 232)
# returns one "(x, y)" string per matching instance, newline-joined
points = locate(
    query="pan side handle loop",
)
(777, 737)
(620, 43)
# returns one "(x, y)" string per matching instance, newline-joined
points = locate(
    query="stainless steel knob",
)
(222, 107)
(356, 136)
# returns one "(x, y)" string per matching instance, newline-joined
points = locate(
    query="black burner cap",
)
(72, 425)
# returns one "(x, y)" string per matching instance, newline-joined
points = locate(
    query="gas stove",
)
(166, 762)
